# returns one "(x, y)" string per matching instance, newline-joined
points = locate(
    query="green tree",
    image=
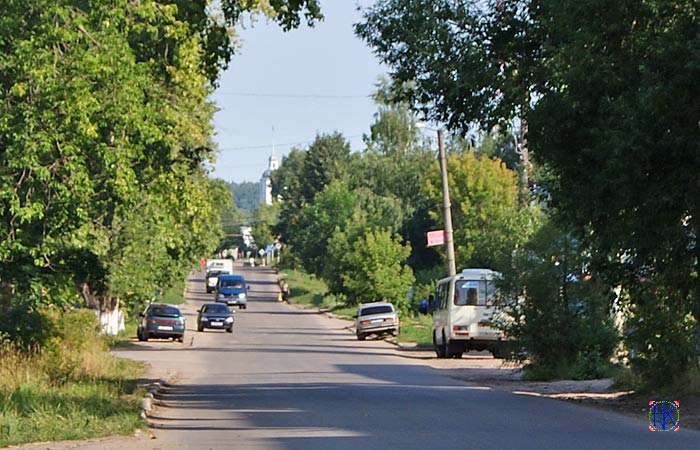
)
(488, 224)
(622, 152)
(559, 312)
(105, 125)
(326, 160)
(332, 208)
(263, 220)
(377, 269)
(246, 195)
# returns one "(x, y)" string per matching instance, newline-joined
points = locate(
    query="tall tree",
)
(623, 149)
(105, 125)
(488, 221)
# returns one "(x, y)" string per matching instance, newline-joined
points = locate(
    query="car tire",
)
(181, 339)
(361, 336)
(200, 328)
(440, 350)
(140, 336)
(229, 329)
(243, 307)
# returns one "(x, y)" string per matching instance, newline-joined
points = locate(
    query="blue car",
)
(232, 290)
(161, 320)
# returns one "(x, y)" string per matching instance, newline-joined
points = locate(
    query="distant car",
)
(161, 320)
(211, 280)
(376, 318)
(216, 316)
(232, 290)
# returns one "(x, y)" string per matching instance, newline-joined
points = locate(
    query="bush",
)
(561, 315)
(25, 326)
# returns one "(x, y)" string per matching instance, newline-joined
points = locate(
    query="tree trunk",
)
(106, 308)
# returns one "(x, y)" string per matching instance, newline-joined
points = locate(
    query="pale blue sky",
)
(272, 83)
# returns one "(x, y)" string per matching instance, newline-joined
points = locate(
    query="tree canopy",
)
(607, 95)
(105, 126)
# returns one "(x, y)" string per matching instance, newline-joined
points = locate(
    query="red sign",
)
(436, 237)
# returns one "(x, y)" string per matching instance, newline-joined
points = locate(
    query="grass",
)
(70, 388)
(417, 329)
(174, 294)
(307, 290)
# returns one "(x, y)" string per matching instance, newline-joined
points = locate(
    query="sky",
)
(285, 88)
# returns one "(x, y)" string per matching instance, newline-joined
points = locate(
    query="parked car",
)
(161, 320)
(376, 318)
(232, 290)
(216, 316)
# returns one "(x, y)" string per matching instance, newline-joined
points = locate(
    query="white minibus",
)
(462, 311)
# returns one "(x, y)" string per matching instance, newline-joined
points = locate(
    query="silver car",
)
(376, 318)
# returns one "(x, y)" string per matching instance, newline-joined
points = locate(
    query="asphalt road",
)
(293, 379)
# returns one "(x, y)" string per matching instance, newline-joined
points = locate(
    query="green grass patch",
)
(174, 294)
(307, 290)
(416, 329)
(69, 388)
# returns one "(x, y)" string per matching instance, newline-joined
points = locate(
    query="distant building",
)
(265, 182)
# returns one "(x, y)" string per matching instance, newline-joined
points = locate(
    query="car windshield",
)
(235, 284)
(165, 310)
(383, 309)
(216, 309)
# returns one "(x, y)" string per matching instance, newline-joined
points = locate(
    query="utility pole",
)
(446, 209)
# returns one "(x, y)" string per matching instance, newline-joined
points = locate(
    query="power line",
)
(319, 96)
(289, 144)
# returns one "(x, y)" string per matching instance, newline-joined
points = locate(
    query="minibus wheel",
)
(440, 350)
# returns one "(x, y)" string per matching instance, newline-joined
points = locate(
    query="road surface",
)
(293, 379)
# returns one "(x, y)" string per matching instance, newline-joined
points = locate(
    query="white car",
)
(376, 318)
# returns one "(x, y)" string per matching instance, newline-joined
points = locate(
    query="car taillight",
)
(364, 322)
(388, 320)
(460, 330)
(150, 322)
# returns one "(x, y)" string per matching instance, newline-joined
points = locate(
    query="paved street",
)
(293, 379)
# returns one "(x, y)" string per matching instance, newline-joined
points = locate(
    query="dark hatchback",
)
(215, 316)
(161, 320)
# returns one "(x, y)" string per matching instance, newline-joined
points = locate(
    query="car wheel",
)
(361, 336)
(229, 330)
(181, 339)
(200, 328)
(139, 335)
(243, 307)
(440, 350)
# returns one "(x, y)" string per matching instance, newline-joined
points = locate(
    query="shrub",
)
(560, 313)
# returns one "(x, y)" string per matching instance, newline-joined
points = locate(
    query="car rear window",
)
(216, 309)
(165, 311)
(370, 310)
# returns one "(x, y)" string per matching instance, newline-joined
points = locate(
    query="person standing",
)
(285, 291)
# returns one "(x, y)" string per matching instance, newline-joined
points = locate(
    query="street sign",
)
(436, 237)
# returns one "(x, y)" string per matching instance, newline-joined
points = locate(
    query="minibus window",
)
(472, 293)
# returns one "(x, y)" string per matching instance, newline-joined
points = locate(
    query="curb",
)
(147, 401)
